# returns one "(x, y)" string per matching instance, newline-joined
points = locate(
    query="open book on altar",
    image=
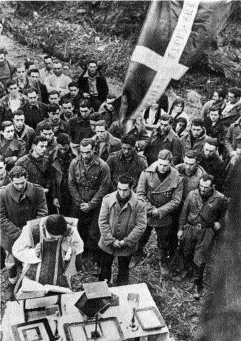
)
(31, 289)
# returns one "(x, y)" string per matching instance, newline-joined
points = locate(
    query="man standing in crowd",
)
(4, 176)
(209, 160)
(93, 85)
(22, 130)
(73, 96)
(231, 138)
(80, 124)
(218, 99)
(195, 138)
(163, 138)
(161, 186)
(122, 221)
(63, 154)
(126, 162)
(20, 201)
(67, 111)
(7, 68)
(105, 143)
(58, 80)
(54, 97)
(34, 110)
(46, 130)
(11, 102)
(58, 125)
(47, 70)
(108, 112)
(34, 82)
(232, 110)
(200, 218)
(22, 79)
(11, 147)
(37, 164)
(89, 182)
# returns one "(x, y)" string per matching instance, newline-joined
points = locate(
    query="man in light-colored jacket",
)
(161, 186)
(122, 221)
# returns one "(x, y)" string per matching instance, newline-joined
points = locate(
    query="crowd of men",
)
(63, 153)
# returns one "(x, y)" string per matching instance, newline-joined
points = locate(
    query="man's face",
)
(8, 133)
(18, 121)
(2, 58)
(196, 131)
(13, 90)
(67, 109)
(163, 166)
(127, 150)
(73, 91)
(215, 97)
(2, 168)
(54, 116)
(92, 126)
(87, 153)
(54, 99)
(123, 190)
(40, 148)
(101, 132)
(108, 105)
(178, 108)
(209, 150)
(33, 98)
(34, 77)
(205, 187)
(180, 127)
(63, 148)
(84, 112)
(58, 69)
(190, 165)
(48, 64)
(21, 73)
(214, 116)
(49, 134)
(164, 127)
(232, 99)
(19, 183)
(92, 68)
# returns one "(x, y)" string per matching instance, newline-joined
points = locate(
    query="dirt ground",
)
(174, 297)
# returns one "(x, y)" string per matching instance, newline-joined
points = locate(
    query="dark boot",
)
(198, 290)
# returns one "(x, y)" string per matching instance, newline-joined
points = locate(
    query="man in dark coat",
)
(209, 160)
(89, 181)
(93, 85)
(20, 201)
(164, 138)
(34, 110)
(34, 81)
(22, 130)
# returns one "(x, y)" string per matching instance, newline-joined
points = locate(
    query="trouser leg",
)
(123, 272)
(145, 237)
(199, 271)
(106, 261)
(11, 265)
(164, 242)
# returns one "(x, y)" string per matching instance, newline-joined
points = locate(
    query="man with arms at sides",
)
(73, 95)
(195, 138)
(7, 68)
(11, 147)
(200, 218)
(161, 186)
(89, 181)
(20, 201)
(122, 221)
(22, 130)
(63, 154)
(126, 162)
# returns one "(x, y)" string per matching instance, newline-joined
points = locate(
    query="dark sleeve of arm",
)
(143, 139)
(42, 209)
(73, 187)
(22, 149)
(184, 213)
(177, 151)
(104, 188)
